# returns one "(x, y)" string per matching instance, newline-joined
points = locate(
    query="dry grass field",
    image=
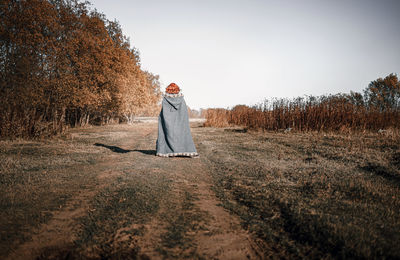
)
(100, 192)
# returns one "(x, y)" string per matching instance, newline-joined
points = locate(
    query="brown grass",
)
(310, 195)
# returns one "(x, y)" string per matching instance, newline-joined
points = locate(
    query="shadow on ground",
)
(382, 171)
(115, 149)
(148, 152)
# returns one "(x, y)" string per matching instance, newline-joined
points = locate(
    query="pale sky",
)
(228, 52)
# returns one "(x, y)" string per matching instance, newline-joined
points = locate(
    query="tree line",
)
(377, 108)
(64, 65)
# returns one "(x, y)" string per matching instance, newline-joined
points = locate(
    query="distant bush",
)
(218, 117)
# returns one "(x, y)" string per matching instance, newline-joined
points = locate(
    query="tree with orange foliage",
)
(384, 94)
(63, 65)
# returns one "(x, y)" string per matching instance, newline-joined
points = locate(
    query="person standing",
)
(174, 136)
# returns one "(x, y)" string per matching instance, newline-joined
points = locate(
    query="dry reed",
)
(323, 113)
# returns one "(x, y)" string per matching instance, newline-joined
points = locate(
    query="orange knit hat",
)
(172, 89)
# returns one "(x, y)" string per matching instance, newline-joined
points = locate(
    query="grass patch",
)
(342, 203)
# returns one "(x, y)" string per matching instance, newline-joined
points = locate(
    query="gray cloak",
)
(174, 137)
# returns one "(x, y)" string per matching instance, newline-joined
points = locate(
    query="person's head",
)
(172, 89)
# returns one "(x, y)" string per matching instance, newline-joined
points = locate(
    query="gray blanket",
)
(174, 137)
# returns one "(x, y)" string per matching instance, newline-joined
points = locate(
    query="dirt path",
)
(224, 239)
(183, 220)
(213, 232)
